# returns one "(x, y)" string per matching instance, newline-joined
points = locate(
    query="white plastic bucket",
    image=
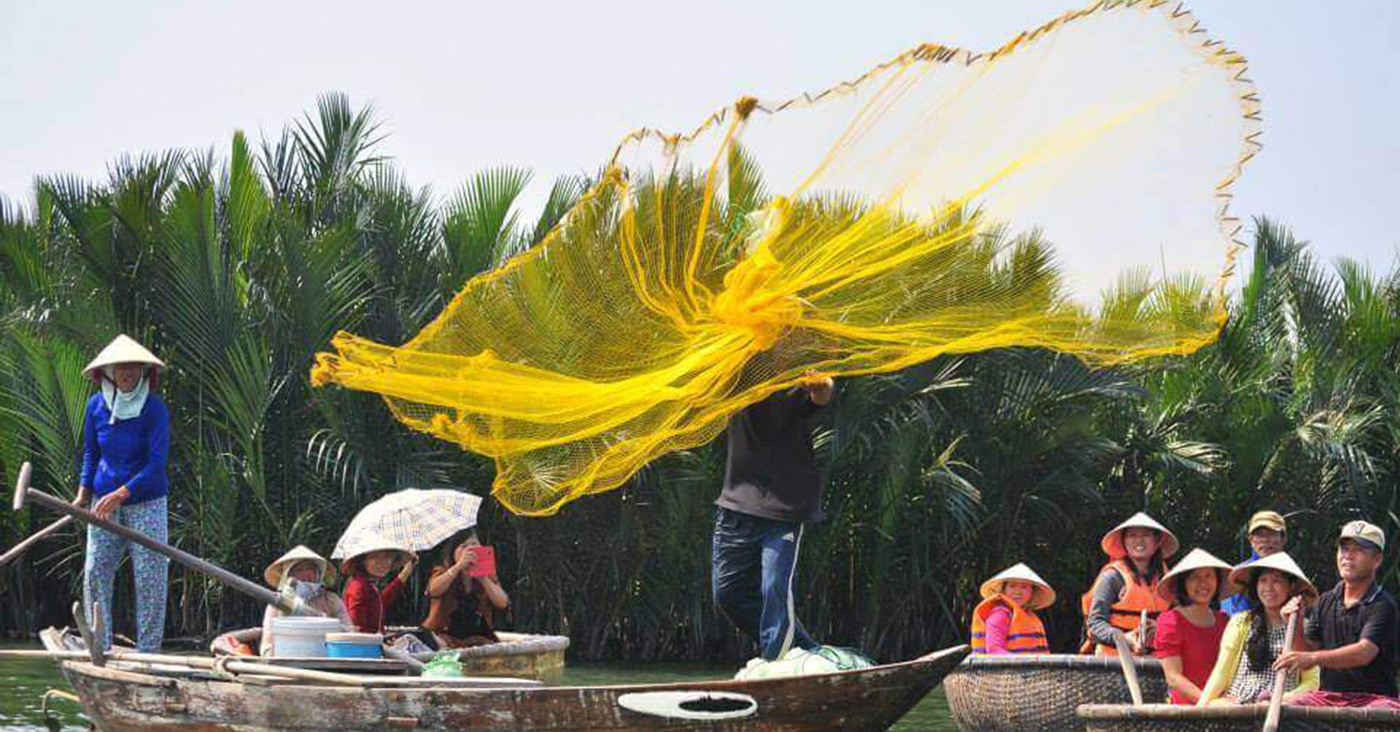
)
(299, 637)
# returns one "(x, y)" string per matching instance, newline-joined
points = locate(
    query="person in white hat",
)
(1253, 640)
(1006, 621)
(309, 576)
(1126, 588)
(1188, 635)
(1351, 632)
(126, 437)
(371, 560)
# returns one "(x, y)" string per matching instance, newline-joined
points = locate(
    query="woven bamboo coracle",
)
(1040, 693)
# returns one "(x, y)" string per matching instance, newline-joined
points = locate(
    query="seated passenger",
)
(369, 563)
(462, 603)
(1137, 550)
(1350, 633)
(1188, 635)
(309, 576)
(1268, 534)
(1005, 622)
(1253, 640)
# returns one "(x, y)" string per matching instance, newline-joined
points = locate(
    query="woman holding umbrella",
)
(126, 436)
(366, 565)
(389, 530)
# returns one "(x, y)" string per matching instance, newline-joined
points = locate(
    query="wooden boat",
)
(518, 655)
(1170, 718)
(1039, 693)
(133, 697)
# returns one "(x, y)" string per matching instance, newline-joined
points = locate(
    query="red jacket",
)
(365, 603)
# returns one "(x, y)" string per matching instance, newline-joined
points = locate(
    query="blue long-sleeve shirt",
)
(1239, 602)
(129, 452)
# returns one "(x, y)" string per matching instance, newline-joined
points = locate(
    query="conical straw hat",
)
(123, 349)
(1044, 594)
(369, 542)
(1113, 541)
(273, 573)
(1243, 574)
(1194, 560)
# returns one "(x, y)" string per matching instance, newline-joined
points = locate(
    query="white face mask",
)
(306, 590)
(124, 404)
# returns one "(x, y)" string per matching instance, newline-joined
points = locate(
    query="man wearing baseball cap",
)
(1351, 631)
(1268, 533)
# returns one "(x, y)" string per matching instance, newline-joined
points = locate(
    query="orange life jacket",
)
(1025, 634)
(1126, 614)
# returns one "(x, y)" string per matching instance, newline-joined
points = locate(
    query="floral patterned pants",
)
(104, 554)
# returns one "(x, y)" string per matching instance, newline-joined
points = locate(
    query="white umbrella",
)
(414, 519)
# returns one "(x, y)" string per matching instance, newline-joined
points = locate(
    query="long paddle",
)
(197, 662)
(1271, 720)
(1125, 658)
(233, 664)
(19, 548)
(286, 603)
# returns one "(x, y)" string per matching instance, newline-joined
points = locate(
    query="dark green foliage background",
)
(237, 268)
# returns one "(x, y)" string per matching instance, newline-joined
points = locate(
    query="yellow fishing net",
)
(1068, 190)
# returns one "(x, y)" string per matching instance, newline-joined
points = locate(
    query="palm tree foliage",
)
(237, 267)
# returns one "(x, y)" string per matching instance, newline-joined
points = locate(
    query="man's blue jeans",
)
(753, 561)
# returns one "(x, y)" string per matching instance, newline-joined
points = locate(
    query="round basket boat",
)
(1169, 718)
(1040, 693)
(519, 655)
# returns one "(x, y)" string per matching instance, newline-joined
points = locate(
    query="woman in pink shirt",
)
(1188, 635)
(1006, 621)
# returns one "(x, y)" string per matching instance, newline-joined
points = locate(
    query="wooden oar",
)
(94, 648)
(38, 536)
(1125, 658)
(198, 662)
(202, 663)
(286, 603)
(1271, 719)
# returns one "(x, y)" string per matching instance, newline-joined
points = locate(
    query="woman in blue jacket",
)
(126, 436)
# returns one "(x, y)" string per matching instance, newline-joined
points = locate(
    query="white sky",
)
(553, 86)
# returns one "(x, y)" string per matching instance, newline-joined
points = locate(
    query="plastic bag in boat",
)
(802, 662)
(444, 665)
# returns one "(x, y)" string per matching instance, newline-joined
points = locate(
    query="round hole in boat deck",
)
(695, 705)
(714, 704)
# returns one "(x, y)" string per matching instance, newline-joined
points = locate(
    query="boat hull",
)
(1168, 718)
(863, 700)
(1039, 693)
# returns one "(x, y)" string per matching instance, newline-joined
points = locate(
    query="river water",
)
(23, 683)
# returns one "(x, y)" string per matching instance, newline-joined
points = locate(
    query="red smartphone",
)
(485, 561)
